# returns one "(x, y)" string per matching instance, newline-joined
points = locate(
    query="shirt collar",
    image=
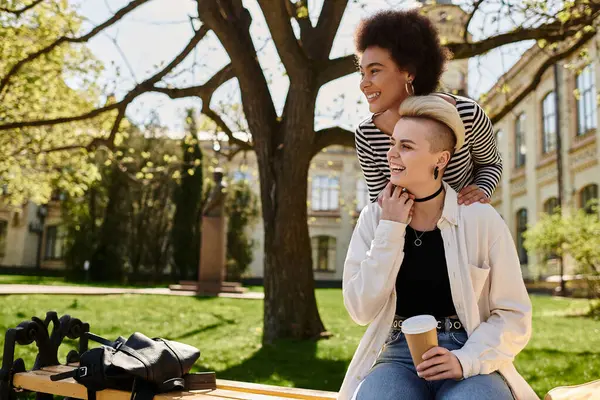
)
(450, 211)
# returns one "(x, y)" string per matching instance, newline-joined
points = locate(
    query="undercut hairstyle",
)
(413, 43)
(450, 134)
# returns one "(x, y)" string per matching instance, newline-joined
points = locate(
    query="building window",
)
(550, 205)
(3, 235)
(549, 123)
(54, 243)
(362, 194)
(586, 197)
(521, 229)
(325, 193)
(520, 149)
(324, 253)
(586, 103)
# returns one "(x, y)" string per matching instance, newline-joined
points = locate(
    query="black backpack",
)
(142, 365)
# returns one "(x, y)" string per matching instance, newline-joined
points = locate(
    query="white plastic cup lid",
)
(419, 324)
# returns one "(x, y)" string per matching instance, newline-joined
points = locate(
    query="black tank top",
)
(422, 285)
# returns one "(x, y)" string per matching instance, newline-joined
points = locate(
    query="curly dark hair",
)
(413, 43)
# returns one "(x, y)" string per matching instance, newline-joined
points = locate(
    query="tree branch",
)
(552, 32)
(510, 105)
(321, 39)
(145, 86)
(468, 22)
(64, 39)
(17, 13)
(230, 21)
(337, 68)
(210, 113)
(292, 56)
(110, 140)
(332, 136)
(304, 22)
(204, 91)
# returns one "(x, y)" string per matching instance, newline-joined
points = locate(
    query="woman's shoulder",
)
(465, 105)
(481, 215)
(366, 123)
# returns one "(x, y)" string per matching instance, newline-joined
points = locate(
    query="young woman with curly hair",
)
(400, 55)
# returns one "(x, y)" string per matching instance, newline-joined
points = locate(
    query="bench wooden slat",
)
(289, 393)
(39, 381)
(585, 391)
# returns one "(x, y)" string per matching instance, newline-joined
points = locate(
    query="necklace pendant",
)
(418, 242)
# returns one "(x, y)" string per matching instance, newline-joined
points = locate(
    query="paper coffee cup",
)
(421, 335)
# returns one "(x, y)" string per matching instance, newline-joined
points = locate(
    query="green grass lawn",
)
(565, 348)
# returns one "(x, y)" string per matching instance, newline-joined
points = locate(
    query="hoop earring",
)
(436, 172)
(410, 92)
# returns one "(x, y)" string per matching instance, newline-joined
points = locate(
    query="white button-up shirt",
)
(486, 283)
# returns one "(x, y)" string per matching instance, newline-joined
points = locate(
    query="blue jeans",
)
(394, 377)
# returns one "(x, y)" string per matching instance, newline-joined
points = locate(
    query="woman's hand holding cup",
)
(397, 205)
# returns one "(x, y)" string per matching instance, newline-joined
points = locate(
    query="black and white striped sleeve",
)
(485, 154)
(374, 177)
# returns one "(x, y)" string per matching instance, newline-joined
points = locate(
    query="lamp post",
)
(559, 165)
(38, 228)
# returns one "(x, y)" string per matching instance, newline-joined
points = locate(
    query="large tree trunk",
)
(290, 303)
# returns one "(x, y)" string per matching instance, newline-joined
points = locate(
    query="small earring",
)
(436, 172)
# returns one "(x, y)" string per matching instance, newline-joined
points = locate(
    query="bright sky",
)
(154, 33)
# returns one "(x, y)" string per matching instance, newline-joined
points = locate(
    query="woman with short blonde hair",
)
(421, 252)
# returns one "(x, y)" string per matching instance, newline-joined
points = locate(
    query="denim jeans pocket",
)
(460, 338)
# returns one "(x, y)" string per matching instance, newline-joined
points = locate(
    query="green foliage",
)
(575, 234)
(60, 83)
(122, 223)
(188, 200)
(242, 210)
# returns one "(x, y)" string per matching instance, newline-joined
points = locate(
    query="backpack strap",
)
(100, 339)
(79, 372)
(175, 384)
(142, 390)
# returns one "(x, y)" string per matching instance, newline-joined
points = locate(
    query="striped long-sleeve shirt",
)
(478, 161)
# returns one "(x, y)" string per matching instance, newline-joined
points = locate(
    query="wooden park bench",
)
(15, 378)
(39, 381)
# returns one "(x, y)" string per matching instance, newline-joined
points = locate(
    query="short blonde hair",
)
(436, 109)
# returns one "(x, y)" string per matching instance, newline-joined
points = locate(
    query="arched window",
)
(324, 253)
(587, 194)
(549, 123)
(586, 102)
(550, 205)
(521, 229)
(520, 148)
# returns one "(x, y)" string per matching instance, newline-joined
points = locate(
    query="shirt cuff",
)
(470, 365)
(486, 189)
